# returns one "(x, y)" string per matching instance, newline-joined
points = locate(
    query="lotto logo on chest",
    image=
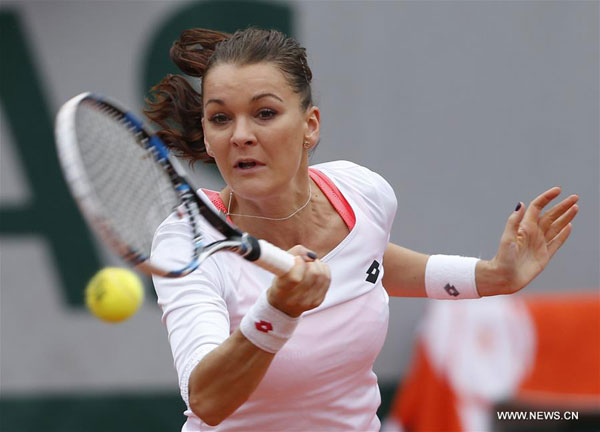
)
(373, 272)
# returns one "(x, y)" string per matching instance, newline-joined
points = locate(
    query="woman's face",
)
(255, 127)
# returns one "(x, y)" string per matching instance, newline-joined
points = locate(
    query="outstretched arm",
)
(529, 241)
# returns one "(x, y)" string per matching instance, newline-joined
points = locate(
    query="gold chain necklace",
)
(269, 218)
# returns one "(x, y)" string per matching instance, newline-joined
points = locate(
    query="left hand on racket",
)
(302, 288)
(529, 241)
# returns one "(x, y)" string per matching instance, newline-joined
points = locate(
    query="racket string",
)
(135, 192)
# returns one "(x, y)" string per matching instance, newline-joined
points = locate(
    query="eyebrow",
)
(262, 95)
(253, 99)
(217, 101)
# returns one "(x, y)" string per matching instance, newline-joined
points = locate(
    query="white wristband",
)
(267, 327)
(451, 277)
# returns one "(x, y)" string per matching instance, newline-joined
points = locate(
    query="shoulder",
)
(357, 178)
(353, 174)
(359, 181)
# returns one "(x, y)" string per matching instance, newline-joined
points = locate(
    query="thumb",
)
(303, 252)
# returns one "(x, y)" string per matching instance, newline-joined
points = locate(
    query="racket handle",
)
(273, 259)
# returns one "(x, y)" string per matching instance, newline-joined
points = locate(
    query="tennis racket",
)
(126, 184)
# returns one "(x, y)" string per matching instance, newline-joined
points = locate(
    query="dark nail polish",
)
(311, 255)
(518, 207)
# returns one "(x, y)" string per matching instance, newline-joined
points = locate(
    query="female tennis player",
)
(258, 352)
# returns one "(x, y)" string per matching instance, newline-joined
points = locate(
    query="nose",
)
(242, 133)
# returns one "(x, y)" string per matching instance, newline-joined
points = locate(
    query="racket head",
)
(126, 184)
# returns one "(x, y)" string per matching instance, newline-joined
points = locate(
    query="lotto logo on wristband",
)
(451, 289)
(266, 327)
(263, 326)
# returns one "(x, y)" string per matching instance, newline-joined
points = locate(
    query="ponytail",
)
(192, 52)
(174, 104)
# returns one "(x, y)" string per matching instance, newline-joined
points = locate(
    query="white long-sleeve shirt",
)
(322, 379)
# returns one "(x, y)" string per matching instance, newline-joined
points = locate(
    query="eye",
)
(266, 114)
(219, 118)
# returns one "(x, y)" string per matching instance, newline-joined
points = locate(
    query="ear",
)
(206, 144)
(208, 149)
(312, 130)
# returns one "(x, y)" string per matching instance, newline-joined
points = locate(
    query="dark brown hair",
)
(176, 105)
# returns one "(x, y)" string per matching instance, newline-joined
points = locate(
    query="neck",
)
(283, 218)
(270, 218)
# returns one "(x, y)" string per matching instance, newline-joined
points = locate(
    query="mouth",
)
(247, 164)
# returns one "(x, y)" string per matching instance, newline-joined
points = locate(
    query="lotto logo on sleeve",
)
(263, 326)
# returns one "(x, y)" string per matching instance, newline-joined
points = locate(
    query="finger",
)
(327, 270)
(324, 275)
(317, 276)
(557, 211)
(314, 271)
(561, 222)
(513, 222)
(295, 275)
(559, 240)
(537, 205)
(320, 282)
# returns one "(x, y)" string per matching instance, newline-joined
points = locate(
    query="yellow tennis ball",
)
(114, 294)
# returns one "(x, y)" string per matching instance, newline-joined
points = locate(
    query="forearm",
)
(226, 377)
(405, 274)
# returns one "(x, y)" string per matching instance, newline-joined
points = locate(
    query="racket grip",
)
(273, 259)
